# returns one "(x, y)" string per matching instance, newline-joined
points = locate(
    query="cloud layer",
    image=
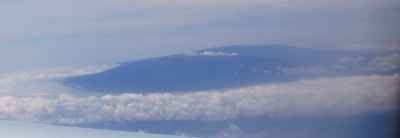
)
(36, 96)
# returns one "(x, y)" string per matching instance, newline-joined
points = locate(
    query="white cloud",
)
(386, 63)
(349, 63)
(234, 131)
(43, 81)
(50, 102)
(379, 63)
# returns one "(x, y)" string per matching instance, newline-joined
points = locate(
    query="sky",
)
(73, 33)
(43, 42)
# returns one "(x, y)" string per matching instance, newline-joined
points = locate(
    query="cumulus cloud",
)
(47, 101)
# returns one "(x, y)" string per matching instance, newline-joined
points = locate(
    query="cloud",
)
(234, 131)
(43, 81)
(385, 63)
(32, 97)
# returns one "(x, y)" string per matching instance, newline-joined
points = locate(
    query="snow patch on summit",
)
(209, 53)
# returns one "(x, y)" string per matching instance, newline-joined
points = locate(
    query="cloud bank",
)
(37, 96)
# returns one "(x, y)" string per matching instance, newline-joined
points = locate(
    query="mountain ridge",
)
(217, 68)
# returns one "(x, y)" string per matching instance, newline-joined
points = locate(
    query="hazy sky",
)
(43, 42)
(39, 33)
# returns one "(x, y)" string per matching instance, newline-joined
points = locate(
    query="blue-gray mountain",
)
(227, 67)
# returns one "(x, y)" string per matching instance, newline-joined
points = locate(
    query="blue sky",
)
(68, 33)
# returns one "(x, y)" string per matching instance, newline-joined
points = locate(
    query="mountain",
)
(224, 67)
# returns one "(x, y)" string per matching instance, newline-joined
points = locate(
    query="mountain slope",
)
(217, 68)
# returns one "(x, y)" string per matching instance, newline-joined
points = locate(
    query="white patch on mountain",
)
(209, 53)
